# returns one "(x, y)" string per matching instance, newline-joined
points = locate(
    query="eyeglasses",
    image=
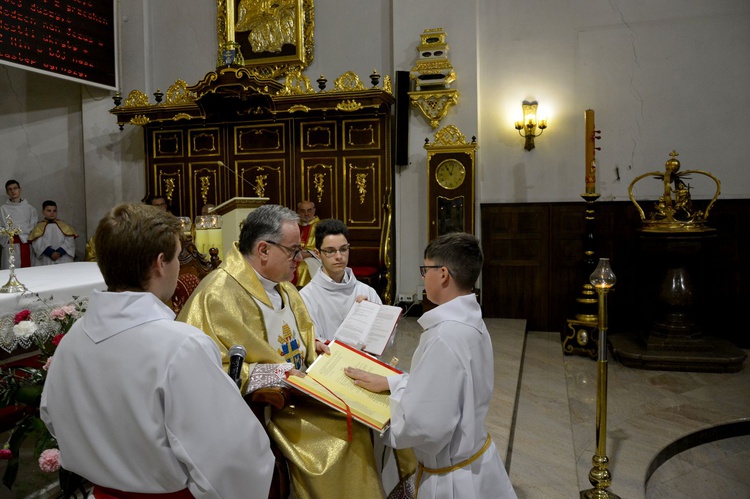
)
(329, 252)
(294, 251)
(424, 268)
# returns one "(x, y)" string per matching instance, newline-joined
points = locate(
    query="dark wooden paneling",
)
(534, 266)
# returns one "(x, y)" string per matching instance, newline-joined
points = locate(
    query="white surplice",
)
(139, 402)
(53, 238)
(329, 301)
(440, 407)
(24, 216)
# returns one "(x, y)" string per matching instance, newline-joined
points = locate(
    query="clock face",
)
(450, 174)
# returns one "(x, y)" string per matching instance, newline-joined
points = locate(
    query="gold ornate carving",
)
(169, 188)
(260, 185)
(139, 120)
(450, 136)
(361, 181)
(434, 104)
(299, 107)
(205, 186)
(348, 82)
(177, 93)
(182, 116)
(136, 98)
(319, 183)
(274, 37)
(348, 105)
(674, 211)
(296, 84)
(387, 84)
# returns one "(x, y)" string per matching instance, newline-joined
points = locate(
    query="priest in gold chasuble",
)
(247, 301)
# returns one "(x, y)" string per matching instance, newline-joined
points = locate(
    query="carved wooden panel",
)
(318, 136)
(260, 138)
(262, 178)
(363, 191)
(321, 184)
(167, 144)
(170, 181)
(361, 134)
(204, 142)
(206, 186)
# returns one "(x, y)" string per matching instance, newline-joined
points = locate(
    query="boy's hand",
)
(368, 381)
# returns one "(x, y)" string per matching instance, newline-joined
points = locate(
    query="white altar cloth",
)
(57, 284)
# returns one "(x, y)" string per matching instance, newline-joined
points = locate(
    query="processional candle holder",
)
(13, 285)
(602, 279)
(580, 338)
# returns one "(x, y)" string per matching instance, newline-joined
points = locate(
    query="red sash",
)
(25, 251)
(107, 493)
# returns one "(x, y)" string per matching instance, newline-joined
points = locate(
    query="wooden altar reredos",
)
(236, 134)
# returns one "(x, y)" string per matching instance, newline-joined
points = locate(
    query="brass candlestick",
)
(12, 286)
(603, 279)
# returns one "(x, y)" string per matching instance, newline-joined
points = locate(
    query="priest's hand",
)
(360, 298)
(369, 381)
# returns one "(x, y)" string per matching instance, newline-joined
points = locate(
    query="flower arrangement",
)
(21, 386)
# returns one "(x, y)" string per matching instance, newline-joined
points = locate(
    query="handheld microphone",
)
(236, 358)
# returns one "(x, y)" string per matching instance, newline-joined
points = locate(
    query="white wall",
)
(660, 75)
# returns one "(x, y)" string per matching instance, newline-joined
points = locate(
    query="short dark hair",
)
(11, 182)
(128, 240)
(153, 198)
(49, 203)
(264, 223)
(329, 227)
(461, 253)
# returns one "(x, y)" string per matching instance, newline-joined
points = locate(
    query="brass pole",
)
(599, 476)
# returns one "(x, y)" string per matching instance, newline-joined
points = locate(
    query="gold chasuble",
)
(312, 436)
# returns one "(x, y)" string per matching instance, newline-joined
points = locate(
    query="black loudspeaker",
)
(401, 130)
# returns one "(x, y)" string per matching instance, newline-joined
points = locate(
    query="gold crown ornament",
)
(674, 210)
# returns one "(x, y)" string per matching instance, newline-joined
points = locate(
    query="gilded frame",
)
(274, 57)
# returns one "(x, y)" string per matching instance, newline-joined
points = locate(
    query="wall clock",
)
(450, 182)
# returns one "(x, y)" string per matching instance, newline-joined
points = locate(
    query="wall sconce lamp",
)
(529, 125)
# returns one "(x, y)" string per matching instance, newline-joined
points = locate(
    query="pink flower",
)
(21, 316)
(57, 339)
(5, 454)
(49, 460)
(48, 363)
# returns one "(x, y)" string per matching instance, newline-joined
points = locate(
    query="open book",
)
(326, 381)
(368, 326)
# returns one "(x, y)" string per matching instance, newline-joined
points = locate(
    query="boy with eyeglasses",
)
(334, 289)
(328, 297)
(439, 408)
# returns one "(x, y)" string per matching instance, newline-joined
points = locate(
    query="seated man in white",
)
(333, 291)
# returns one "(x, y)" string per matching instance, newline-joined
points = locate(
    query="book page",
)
(356, 325)
(328, 371)
(382, 329)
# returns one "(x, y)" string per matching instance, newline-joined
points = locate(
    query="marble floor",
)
(542, 418)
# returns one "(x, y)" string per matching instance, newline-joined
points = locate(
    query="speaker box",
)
(401, 129)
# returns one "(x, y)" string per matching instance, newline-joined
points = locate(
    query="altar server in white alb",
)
(332, 292)
(440, 407)
(53, 240)
(24, 217)
(138, 402)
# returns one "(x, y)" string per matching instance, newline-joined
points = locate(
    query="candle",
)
(590, 154)
(230, 20)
